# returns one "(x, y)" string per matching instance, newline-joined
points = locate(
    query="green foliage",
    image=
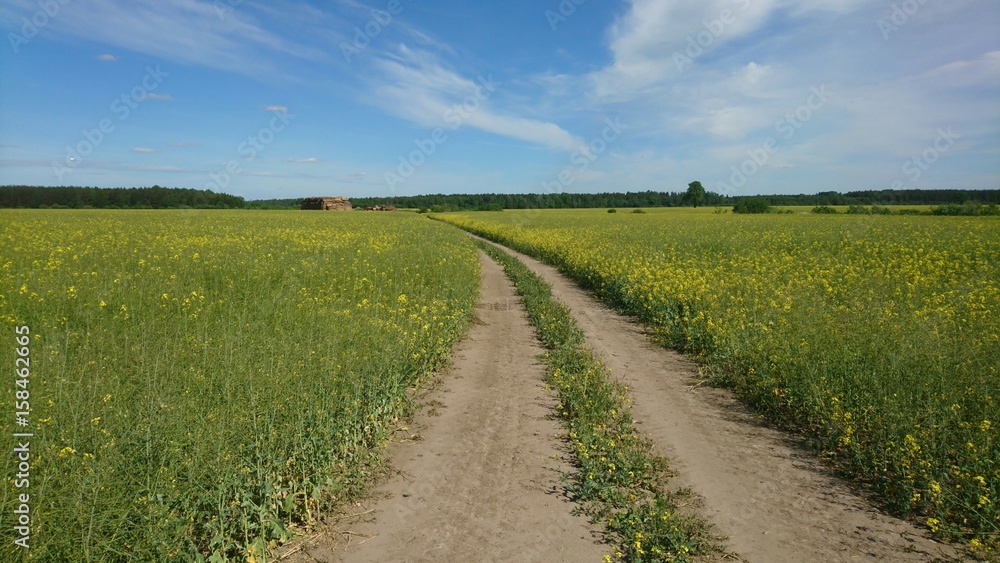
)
(156, 198)
(638, 211)
(612, 210)
(752, 205)
(619, 480)
(824, 210)
(466, 202)
(695, 193)
(876, 340)
(972, 209)
(116, 198)
(209, 381)
(873, 210)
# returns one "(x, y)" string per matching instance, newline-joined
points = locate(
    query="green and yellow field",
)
(203, 381)
(878, 337)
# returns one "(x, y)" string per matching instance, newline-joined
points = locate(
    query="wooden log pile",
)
(326, 203)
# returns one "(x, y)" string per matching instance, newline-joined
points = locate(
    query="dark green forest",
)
(157, 197)
(675, 199)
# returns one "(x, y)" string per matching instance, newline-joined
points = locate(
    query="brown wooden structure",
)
(326, 203)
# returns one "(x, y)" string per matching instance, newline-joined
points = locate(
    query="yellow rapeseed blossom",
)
(874, 332)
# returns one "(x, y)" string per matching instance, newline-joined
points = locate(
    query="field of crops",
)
(879, 337)
(203, 381)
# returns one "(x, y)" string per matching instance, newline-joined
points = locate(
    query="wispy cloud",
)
(161, 97)
(281, 109)
(143, 150)
(107, 57)
(180, 145)
(181, 31)
(305, 160)
(656, 41)
(417, 85)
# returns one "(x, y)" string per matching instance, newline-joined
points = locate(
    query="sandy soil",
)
(774, 500)
(482, 482)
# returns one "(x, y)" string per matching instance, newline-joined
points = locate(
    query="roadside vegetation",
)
(207, 384)
(618, 481)
(876, 337)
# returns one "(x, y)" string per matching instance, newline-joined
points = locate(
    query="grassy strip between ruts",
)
(619, 481)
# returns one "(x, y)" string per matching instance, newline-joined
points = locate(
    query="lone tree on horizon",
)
(695, 193)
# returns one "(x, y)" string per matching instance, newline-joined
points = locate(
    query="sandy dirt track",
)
(773, 499)
(481, 484)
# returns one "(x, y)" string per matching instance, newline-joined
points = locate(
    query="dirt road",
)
(772, 498)
(482, 484)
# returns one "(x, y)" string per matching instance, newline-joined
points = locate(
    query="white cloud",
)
(305, 160)
(657, 41)
(280, 109)
(143, 150)
(729, 122)
(181, 31)
(107, 57)
(647, 41)
(416, 85)
(161, 97)
(753, 79)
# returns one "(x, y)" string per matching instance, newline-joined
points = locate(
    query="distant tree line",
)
(890, 197)
(485, 202)
(493, 202)
(155, 197)
(286, 203)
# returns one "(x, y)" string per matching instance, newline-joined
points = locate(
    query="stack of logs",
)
(327, 203)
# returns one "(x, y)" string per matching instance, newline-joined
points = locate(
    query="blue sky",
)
(403, 97)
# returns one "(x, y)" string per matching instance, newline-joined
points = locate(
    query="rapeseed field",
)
(203, 383)
(877, 337)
